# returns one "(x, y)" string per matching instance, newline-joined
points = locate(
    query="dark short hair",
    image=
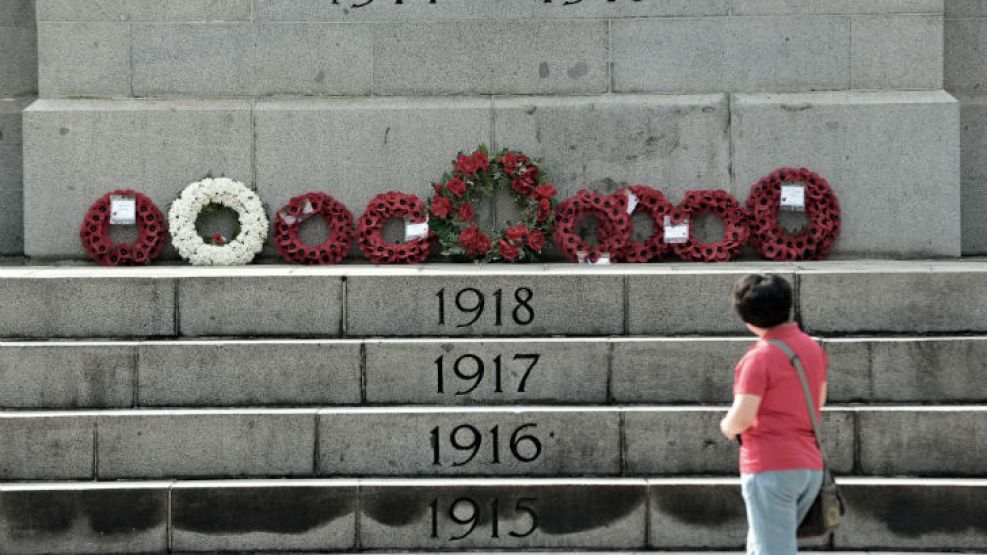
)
(764, 300)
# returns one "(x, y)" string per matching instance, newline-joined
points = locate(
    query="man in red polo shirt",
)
(780, 464)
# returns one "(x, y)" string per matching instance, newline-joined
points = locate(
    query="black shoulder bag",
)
(828, 509)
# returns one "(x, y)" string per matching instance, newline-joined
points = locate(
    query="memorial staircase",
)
(356, 408)
(269, 408)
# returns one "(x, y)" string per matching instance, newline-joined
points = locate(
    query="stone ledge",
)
(943, 514)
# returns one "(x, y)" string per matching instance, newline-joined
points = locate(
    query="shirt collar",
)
(781, 332)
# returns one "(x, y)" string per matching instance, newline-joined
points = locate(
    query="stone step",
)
(78, 150)
(833, 298)
(302, 47)
(461, 371)
(450, 515)
(455, 441)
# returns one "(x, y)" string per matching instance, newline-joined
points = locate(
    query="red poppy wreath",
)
(289, 221)
(653, 203)
(475, 178)
(722, 205)
(613, 233)
(151, 226)
(370, 227)
(820, 204)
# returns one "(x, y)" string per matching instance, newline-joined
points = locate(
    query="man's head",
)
(763, 300)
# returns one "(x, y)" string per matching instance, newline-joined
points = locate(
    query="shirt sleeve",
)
(751, 376)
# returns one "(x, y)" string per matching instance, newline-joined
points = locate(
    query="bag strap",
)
(806, 392)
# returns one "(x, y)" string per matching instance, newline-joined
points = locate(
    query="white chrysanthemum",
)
(231, 194)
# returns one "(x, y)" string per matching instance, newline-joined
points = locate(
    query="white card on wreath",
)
(632, 202)
(414, 232)
(793, 198)
(676, 233)
(123, 210)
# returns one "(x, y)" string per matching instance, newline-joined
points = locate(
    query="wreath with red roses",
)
(614, 229)
(722, 205)
(371, 224)
(476, 177)
(151, 225)
(821, 206)
(300, 208)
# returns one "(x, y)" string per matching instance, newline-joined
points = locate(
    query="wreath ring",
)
(653, 203)
(151, 226)
(822, 208)
(224, 192)
(371, 225)
(723, 205)
(289, 220)
(613, 233)
(475, 177)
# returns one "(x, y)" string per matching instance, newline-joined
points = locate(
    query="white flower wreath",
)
(231, 194)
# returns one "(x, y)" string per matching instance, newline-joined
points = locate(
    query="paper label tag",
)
(632, 202)
(123, 210)
(582, 257)
(414, 232)
(793, 198)
(288, 218)
(676, 233)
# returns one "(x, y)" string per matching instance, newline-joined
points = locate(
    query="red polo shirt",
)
(781, 436)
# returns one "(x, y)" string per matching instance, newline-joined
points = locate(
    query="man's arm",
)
(740, 416)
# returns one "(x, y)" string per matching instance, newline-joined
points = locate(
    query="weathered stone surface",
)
(233, 59)
(66, 375)
(317, 10)
(973, 146)
(143, 10)
(850, 373)
(965, 8)
(89, 59)
(457, 372)
(423, 442)
(426, 304)
(685, 301)
(19, 44)
(64, 305)
(260, 306)
(736, 54)
(491, 57)
(253, 515)
(77, 150)
(94, 518)
(672, 143)
(687, 441)
(11, 175)
(355, 149)
(204, 444)
(256, 373)
(46, 446)
(876, 150)
(897, 52)
(928, 441)
(909, 370)
(531, 514)
(675, 370)
(914, 514)
(930, 299)
(705, 513)
(836, 7)
(965, 48)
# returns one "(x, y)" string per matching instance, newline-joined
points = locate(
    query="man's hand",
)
(727, 433)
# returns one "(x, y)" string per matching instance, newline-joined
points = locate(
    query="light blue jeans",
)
(776, 504)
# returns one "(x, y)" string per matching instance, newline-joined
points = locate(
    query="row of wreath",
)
(449, 219)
